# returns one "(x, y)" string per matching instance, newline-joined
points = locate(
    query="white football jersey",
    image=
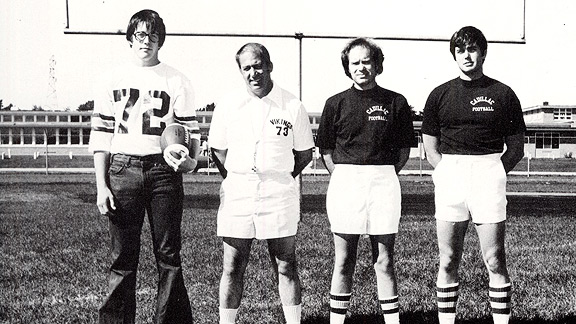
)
(135, 104)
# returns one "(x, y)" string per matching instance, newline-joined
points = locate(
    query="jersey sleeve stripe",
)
(185, 119)
(102, 116)
(103, 123)
(102, 129)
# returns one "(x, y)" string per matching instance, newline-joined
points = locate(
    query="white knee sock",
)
(447, 297)
(500, 298)
(338, 307)
(227, 315)
(390, 309)
(292, 313)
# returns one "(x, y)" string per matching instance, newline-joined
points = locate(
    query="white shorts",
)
(258, 206)
(364, 199)
(470, 187)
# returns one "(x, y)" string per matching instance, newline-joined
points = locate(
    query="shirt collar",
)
(275, 95)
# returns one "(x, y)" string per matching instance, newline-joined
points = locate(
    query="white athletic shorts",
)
(470, 187)
(258, 206)
(363, 199)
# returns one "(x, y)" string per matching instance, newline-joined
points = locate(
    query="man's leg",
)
(235, 260)
(283, 256)
(120, 303)
(125, 226)
(345, 250)
(165, 193)
(491, 238)
(450, 246)
(383, 260)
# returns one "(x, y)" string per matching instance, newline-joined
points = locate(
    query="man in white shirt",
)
(261, 140)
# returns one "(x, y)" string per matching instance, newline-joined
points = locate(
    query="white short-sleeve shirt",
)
(260, 134)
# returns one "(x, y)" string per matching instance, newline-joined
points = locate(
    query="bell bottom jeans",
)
(145, 185)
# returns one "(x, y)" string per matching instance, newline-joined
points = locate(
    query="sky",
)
(531, 45)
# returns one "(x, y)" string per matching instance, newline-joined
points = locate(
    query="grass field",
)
(53, 247)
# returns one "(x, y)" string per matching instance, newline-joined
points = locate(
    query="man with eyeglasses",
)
(133, 177)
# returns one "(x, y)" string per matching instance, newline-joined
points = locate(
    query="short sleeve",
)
(516, 124)
(184, 110)
(303, 139)
(430, 121)
(326, 138)
(405, 127)
(102, 121)
(217, 133)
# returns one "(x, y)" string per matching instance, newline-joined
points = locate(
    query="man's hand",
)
(105, 201)
(180, 161)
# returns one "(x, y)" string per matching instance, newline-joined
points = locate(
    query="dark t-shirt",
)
(366, 127)
(472, 117)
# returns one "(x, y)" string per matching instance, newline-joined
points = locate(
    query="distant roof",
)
(547, 106)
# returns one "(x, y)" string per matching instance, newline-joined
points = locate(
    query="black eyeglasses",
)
(141, 36)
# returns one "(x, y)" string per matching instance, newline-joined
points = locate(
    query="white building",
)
(551, 131)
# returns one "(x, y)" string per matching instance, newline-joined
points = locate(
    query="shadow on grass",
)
(421, 203)
(313, 203)
(431, 318)
(207, 201)
(411, 203)
(424, 204)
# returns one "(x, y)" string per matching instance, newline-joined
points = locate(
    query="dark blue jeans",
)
(145, 185)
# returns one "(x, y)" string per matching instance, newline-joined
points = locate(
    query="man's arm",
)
(327, 159)
(104, 196)
(219, 157)
(301, 160)
(431, 146)
(514, 151)
(404, 155)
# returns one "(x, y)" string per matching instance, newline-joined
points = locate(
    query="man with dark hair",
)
(365, 135)
(134, 177)
(261, 140)
(467, 123)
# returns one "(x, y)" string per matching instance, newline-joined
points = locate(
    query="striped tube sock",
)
(292, 313)
(391, 310)
(500, 298)
(447, 299)
(227, 315)
(338, 307)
